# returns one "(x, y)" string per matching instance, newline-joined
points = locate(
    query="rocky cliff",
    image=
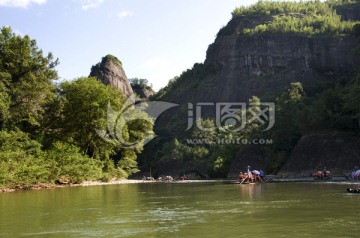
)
(110, 72)
(240, 65)
(250, 155)
(262, 64)
(176, 169)
(338, 152)
(266, 64)
(143, 92)
(349, 11)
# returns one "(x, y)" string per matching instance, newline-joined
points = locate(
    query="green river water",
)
(183, 210)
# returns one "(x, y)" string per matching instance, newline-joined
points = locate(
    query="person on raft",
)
(242, 176)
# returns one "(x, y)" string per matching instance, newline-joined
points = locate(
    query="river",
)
(183, 210)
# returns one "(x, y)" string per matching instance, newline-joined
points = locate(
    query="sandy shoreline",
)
(138, 181)
(100, 183)
(83, 184)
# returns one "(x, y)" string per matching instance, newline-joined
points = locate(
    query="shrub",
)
(71, 165)
(22, 161)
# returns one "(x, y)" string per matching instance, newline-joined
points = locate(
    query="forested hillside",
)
(302, 56)
(47, 129)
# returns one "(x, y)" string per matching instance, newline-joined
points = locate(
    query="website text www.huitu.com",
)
(224, 141)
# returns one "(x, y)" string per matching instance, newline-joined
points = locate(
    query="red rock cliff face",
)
(349, 12)
(255, 65)
(338, 152)
(266, 64)
(110, 72)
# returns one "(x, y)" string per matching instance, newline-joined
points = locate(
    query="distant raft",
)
(353, 190)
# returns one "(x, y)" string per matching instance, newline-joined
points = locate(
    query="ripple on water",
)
(202, 211)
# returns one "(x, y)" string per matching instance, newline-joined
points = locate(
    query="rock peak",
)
(110, 72)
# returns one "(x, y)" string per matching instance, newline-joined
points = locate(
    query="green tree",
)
(205, 130)
(4, 105)
(70, 165)
(26, 76)
(286, 132)
(352, 106)
(128, 164)
(85, 109)
(22, 161)
(138, 82)
(85, 103)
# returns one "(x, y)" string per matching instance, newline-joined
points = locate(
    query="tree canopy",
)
(48, 131)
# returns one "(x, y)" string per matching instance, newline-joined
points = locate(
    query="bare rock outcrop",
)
(176, 168)
(349, 11)
(143, 92)
(265, 64)
(338, 152)
(251, 155)
(110, 72)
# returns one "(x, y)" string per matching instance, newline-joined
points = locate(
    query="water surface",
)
(183, 210)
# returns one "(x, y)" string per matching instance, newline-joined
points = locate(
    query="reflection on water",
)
(183, 210)
(249, 191)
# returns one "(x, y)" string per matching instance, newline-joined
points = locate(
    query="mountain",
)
(338, 152)
(299, 56)
(110, 72)
(264, 63)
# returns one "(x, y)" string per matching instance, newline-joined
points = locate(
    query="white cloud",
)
(90, 4)
(124, 14)
(20, 3)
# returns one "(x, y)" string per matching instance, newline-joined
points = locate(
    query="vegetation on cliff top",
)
(308, 25)
(104, 59)
(315, 7)
(306, 18)
(113, 59)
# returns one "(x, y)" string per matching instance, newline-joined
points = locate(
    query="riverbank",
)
(83, 184)
(138, 181)
(100, 183)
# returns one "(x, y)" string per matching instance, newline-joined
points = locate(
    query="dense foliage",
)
(113, 59)
(138, 82)
(305, 17)
(334, 109)
(329, 24)
(48, 132)
(312, 7)
(188, 80)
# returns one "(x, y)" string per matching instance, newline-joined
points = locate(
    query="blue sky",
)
(154, 39)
